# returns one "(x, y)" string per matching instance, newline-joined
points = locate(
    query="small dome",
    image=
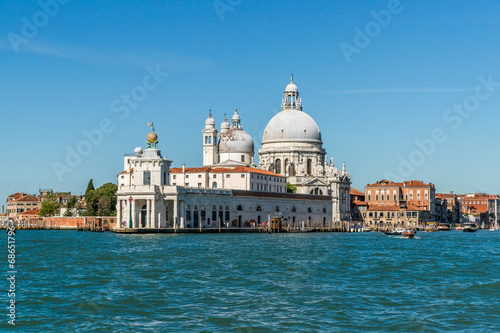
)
(236, 116)
(210, 121)
(224, 124)
(236, 140)
(291, 87)
(152, 137)
(138, 151)
(292, 125)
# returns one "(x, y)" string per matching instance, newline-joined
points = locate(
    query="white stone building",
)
(229, 189)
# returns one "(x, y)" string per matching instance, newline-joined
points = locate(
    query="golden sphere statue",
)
(152, 137)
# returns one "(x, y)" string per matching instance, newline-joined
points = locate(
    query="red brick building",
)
(399, 204)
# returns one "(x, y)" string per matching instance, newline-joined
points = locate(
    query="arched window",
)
(214, 185)
(239, 207)
(324, 210)
(220, 208)
(293, 209)
(309, 210)
(320, 192)
(195, 207)
(214, 207)
(292, 169)
(309, 166)
(209, 139)
(278, 166)
(188, 207)
(206, 139)
(276, 209)
(259, 209)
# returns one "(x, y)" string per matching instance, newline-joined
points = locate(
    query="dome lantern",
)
(291, 101)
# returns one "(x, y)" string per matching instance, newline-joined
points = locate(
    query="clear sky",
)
(377, 76)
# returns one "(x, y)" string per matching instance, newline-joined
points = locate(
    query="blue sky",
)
(397, 88)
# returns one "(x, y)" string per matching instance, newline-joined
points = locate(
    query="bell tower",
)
(210, 153)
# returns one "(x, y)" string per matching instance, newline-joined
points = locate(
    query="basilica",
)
(230, 189)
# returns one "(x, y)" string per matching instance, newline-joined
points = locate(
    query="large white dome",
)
(236, 140)
(292, 125)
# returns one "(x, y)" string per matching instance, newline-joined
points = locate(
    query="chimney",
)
(184, 168)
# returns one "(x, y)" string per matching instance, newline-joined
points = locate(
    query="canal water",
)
(316, 282)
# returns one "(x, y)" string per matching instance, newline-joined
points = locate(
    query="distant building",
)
(18, 203)
(454, 213)
(476, 208)
(409, 203)
(359, 205)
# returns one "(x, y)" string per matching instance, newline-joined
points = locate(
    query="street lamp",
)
(130, 222)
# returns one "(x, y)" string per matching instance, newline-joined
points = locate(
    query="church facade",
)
(230, 190)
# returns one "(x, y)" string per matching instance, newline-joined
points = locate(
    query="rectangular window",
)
(369, 197)
(381, 214)
(203, 215)
(187, 184)
(199, 176)
(228, 175)
(147, 178)
(376, 197)
(242, 175)
(199, 185)
(187, 176)
(173, 177)
(188, 215)
(394, 197)
(226, 217)
(214, 215)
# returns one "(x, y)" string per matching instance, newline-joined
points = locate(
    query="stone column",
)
(175, 216)
(135, 223)
(118, 213)
(153, 214)
(148, 213)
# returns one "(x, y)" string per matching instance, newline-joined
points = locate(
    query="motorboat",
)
(443, 227)
(469, 227)
(394, 232)
(408, 233)
(431, 227)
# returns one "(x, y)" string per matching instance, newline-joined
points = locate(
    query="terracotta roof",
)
(126, 171)
(354, 191)
(17, 195)
(243, 193)
(410, 183)
(31, 211)
(360, 203)
(239, 169)
(190, 170)
(26, 198)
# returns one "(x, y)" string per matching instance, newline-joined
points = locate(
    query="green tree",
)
(291, 188)
(70, 206)
(101, 201)
(90, 187)
(50, 206)
(91, 199)
(107, 199)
